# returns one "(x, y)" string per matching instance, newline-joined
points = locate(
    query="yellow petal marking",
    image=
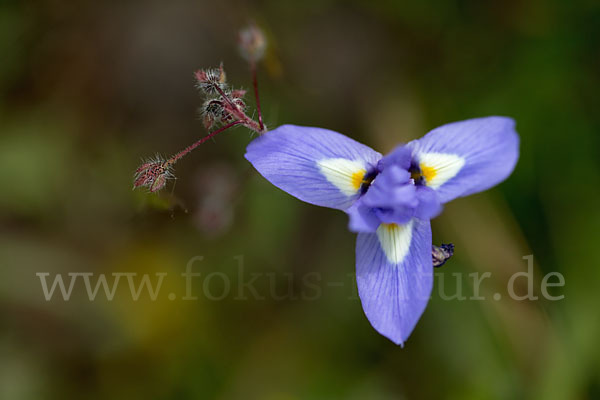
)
(439, 168)
(346, 175)
(428, 172)
(357, 178)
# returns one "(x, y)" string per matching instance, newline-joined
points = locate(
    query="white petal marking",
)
(346, 175)
(395, 240)
(438, 168)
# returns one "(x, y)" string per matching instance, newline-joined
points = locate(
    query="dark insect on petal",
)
(441, 254)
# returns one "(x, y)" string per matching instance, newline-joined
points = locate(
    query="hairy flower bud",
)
(211, 80)
(214, 111)
(153, 174)
(213, 107)
(240, 103)
(238, 93)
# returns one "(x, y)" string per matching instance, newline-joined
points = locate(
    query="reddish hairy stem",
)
(239, 114)
(255, 85)
(226, 98)
(191, 147)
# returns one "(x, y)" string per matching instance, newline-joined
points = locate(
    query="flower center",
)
(366, 180)
(422, 173)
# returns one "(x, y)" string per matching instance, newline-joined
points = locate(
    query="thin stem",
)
(191, 147)
(255, 85)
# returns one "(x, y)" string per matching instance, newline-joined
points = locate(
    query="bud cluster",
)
(215, 110)
(223, 103)
(223, 106)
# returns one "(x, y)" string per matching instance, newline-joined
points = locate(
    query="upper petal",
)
(467, 157)
(394, 273)
(316, 165)
(399, 157)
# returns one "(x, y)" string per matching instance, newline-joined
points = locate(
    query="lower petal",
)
(394, 272)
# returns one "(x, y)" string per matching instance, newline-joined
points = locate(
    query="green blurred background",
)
(87, 88)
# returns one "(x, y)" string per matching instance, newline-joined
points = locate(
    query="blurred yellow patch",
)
(357, 178)
(428, 172)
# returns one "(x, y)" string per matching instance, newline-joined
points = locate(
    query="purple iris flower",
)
(389, 199)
